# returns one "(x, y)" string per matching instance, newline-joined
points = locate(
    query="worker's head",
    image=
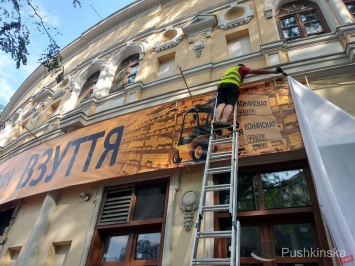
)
(241, 65)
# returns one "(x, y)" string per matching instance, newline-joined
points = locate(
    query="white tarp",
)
(328, 133)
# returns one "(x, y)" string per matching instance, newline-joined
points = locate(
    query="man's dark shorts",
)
(228, 93)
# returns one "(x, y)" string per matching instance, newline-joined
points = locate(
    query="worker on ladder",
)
(228, 91)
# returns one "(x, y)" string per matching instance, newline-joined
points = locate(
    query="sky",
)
(71, 23)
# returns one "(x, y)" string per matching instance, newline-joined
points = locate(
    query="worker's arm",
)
(262, 71)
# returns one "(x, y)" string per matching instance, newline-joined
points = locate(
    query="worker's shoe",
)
(224, 124)
(216, 124)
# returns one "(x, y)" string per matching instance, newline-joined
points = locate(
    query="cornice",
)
(321, 67)
(8, 152)
(324, 38)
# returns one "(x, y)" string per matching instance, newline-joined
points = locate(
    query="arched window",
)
(300, 19)
(89, 86)
(350, 4)
(125, 73)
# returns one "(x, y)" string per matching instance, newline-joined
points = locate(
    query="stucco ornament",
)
(198, 46)
(169, 38)
(235, 15)
(189, 204)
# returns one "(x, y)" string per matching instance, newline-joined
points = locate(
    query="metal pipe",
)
(29, 131)
(182, 74)
(305, 76)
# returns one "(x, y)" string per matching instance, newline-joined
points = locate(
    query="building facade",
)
(106, 167)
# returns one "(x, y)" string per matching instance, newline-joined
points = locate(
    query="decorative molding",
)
(104, 68)
(272, 47)
(198, 46)
(343, 30)
(246, 14)
(166, 3)
(171, 41)
(60, 93)
(43, 94)
(28, 113)
(269, 7)
(189, 204)
(200, 24)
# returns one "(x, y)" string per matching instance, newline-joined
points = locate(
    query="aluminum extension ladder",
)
(234, 233)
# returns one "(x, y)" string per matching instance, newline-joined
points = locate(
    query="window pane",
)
(125, 73)
(291, 32)
(313, 27)
(351, 7)
(250, 236)
(293, 239)
(133, 70)
(308, 17)
(131, 79)
(147, 247)
(121, 75)
(150, 202)
(115, 248)
(285, 189)
(89, 86)
(288, 22)
(248, 195)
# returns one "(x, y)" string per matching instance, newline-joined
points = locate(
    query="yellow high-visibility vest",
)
(231, 76)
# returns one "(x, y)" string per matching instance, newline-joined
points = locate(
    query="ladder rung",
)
(217, 170)
(212, 261)
(215, 234)
(218, 187)
(220, 155)
(224, 207)
(222, 141)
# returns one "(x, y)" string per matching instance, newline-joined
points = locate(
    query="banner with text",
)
(168, 136)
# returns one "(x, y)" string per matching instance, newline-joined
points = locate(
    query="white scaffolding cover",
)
(328, 133)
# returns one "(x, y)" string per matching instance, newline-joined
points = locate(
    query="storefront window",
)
(279, 222)
(129, 229)
(250, 236)
(149, 202)
(284, 189)
(295, 240)
(281, 189)
(248, 197)
(115, 248)
(147, 247)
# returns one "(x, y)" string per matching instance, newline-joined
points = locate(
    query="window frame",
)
(123, 66)
(131, 228)
(266, 218)
(89, 85)
(299, 23)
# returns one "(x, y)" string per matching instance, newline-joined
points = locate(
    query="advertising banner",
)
(167, 136)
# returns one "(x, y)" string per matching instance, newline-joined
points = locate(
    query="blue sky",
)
(69, 21)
